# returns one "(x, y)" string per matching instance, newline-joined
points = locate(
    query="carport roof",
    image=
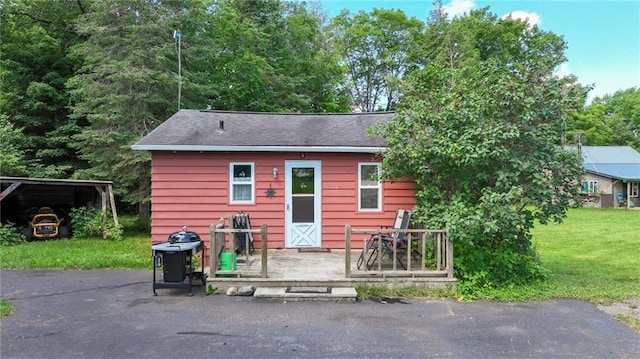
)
(24, 192)
(53, 181)
(15, 182)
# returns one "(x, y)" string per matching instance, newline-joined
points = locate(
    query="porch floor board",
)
(291, 268)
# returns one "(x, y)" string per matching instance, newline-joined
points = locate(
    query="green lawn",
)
(594, 255)
(131, 252)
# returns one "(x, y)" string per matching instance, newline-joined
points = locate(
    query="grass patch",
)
(134, 251)
(366, 291)
(5, 308)
(629, 320)
(593, 255)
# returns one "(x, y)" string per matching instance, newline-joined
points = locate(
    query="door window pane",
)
(303, 209)
(302, 194)
(303, 180)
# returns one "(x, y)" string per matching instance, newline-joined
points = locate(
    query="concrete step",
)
(307, 293)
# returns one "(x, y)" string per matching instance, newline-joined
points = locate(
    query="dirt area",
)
(628, 307)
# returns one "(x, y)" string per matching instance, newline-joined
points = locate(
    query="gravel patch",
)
(628, 307)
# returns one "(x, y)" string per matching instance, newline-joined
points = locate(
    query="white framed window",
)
(590, 186)
(369, 187)
(634, 189)
(241, 182)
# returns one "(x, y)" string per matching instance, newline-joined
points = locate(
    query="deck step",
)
(307, 293)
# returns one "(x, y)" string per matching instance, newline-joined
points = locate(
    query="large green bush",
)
(11, 235)
(479, 134)
(90, 222)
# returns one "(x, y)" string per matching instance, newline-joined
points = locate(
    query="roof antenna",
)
(177, 36)
(579, 142)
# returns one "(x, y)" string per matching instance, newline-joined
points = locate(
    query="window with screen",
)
(242, 182)
(369, 187)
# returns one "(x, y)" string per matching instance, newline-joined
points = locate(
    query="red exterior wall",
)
(192, 188)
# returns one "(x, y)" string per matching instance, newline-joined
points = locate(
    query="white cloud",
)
(459, 7)
(531, 17)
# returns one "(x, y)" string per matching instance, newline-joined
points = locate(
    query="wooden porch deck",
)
(330, 268)
(291, 268)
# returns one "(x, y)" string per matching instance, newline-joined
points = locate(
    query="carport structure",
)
(21, 193)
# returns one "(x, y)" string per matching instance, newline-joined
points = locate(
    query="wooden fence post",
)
(216, 246)
(347, 251)
(232, 236)
(213, 261)
(440, 248)
(449, 255)
(263, 244)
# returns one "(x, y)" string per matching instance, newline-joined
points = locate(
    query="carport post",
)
(112, 200)
(103, 196)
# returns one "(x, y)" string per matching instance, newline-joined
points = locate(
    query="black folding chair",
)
(383, 244)
(242, 221)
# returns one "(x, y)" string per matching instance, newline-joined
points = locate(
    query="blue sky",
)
(603, 36)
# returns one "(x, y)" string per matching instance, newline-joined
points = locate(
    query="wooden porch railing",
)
(424, 253)
(225, 238)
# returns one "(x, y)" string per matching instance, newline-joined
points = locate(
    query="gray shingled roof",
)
(201, 131)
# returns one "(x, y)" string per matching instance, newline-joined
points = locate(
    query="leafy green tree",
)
(611, 120)
(374, 47)
(590, 126)
(12, 161)
(270, 56)
(235, 55)
(480, 138)
(34, 67)
(124, 88)
(622, 116)
(451, 44)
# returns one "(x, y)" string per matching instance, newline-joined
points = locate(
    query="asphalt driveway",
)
(113, 314)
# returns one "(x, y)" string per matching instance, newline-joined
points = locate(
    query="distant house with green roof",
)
(612, 176)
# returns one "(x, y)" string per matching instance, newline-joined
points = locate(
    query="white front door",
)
(303, 184)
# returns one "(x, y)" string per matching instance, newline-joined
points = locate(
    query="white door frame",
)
(303, 235)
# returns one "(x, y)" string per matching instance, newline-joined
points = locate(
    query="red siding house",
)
(304, 175)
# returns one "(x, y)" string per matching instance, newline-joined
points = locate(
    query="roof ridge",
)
(295, 113)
